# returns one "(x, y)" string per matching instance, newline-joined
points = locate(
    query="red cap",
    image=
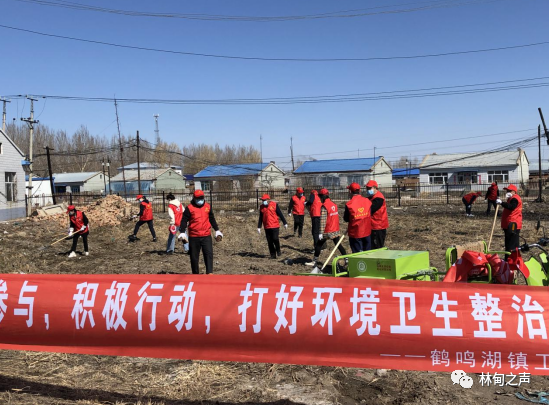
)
(299, 190)
(354, 186)
(323, 192)
(511, 187)
(198, 193)
(372, 183)
(70, 208)
(314, 192)
(493, 184)
(265, 197)
(139, 196)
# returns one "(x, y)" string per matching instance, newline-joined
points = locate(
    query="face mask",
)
(199, 202)
(300, 195)
(508, 195)
(370, 192)
(265, 202)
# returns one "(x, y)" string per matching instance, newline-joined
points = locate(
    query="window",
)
(75, 189)
(467, 177)
(501, 176)
(206, 185)
(1, 150)
(438, 178)
(11, 187)
(329, 181)
(355, 178)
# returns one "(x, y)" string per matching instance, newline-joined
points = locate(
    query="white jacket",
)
(175, 202)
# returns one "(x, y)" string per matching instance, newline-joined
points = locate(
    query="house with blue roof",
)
(339, 173)
(243, 176)
(78, 182)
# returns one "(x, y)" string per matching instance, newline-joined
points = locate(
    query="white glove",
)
(218, 233)
(71, 230)
(285, 226)
(259, 231)
(320, 237)
(182, 236)
(498, 201)
(82, 229)
(135, 216)
(290, 214)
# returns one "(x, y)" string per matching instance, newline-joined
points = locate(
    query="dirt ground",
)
(45, 378)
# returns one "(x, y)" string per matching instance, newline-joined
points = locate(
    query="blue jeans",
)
(171, 244)
(360, 244)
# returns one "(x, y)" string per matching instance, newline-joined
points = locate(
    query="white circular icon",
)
(361, 267)
(466, 381)
(456, 375)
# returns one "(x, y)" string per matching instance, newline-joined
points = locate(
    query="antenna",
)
(156, 132)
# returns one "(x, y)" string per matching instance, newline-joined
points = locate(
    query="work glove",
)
(285, 226)
(135, 216)
(289, 214)
(71, 230)
(498, 201)
(218, 233)
(259, 231)
(183, 236)
(320, 236)
(82, 229)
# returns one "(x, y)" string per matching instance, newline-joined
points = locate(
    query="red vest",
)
(177, 212)
(270, 219)
(360, 225)
(77, 222)
(315, 206)
(147, 212)
(379, 218)
(298, 207)
(469, 197)
(515, 215)
(332, 217)
(492, 193)
(199, 225)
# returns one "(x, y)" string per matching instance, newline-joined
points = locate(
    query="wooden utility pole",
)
(104, 178)
(109, 173)
(4, 113)
(544, 126)
(292, 152)
(121, 149)
(50, 174)
(30, 121)
(138, 166)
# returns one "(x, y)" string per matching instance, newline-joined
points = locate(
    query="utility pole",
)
(121, 149)
(544, 126)
(138, 166)
(51, 175)
(4, 113)
(30, 121)
(109, 173)
(104, 179)
(374, 171)
(156, 132)
(539, 164)
(292, 152)
(261, 152)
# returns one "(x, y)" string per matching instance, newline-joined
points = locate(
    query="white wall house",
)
(339, 173)
(79, 182)
(475, 168)
(12, 180)
(41, 190)
(242, 176)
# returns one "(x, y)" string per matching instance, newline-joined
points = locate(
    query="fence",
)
(423, 194)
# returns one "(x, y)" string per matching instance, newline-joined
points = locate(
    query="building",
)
(12, 174)
(79, 182)
(475, 168)
(339, 173)
(151, 166)
(534, 170)
(41, 190)
(151, 180)
(244, 176)
(406, 177)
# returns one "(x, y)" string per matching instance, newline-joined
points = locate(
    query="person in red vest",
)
(314, 205)
(269, 213)
(329, 216)
(199, 217)
(492, 194)
(296, 208)
(378, 211)
(468, 200)
(145, 217)
(78, 226)
(511, 219)
(175, 211)
(358, 215)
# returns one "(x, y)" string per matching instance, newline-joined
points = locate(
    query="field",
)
(44, 378)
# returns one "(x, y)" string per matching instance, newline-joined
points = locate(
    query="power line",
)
(256, 58)
(361, 12)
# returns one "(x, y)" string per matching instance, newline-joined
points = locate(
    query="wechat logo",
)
(461, 378)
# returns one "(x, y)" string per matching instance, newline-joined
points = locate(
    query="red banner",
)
(281, 319)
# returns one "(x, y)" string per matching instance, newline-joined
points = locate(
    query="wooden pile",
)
(108, 211)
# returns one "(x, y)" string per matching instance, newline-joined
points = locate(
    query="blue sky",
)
(38, 65)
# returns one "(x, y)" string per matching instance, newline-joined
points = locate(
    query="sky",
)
(34, 64)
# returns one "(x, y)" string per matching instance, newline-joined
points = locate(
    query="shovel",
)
(57, 241)
(316, 270)
(493, 226)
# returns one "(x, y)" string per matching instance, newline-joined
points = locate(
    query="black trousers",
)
(298, 224)
(491, 203)
(512, 240)
(204, 243)
(360, 244)
(75, 241)
(378, 238)
(315, 222)
(467, 206)
(272, 241)
(321, 242)
(151, 227)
